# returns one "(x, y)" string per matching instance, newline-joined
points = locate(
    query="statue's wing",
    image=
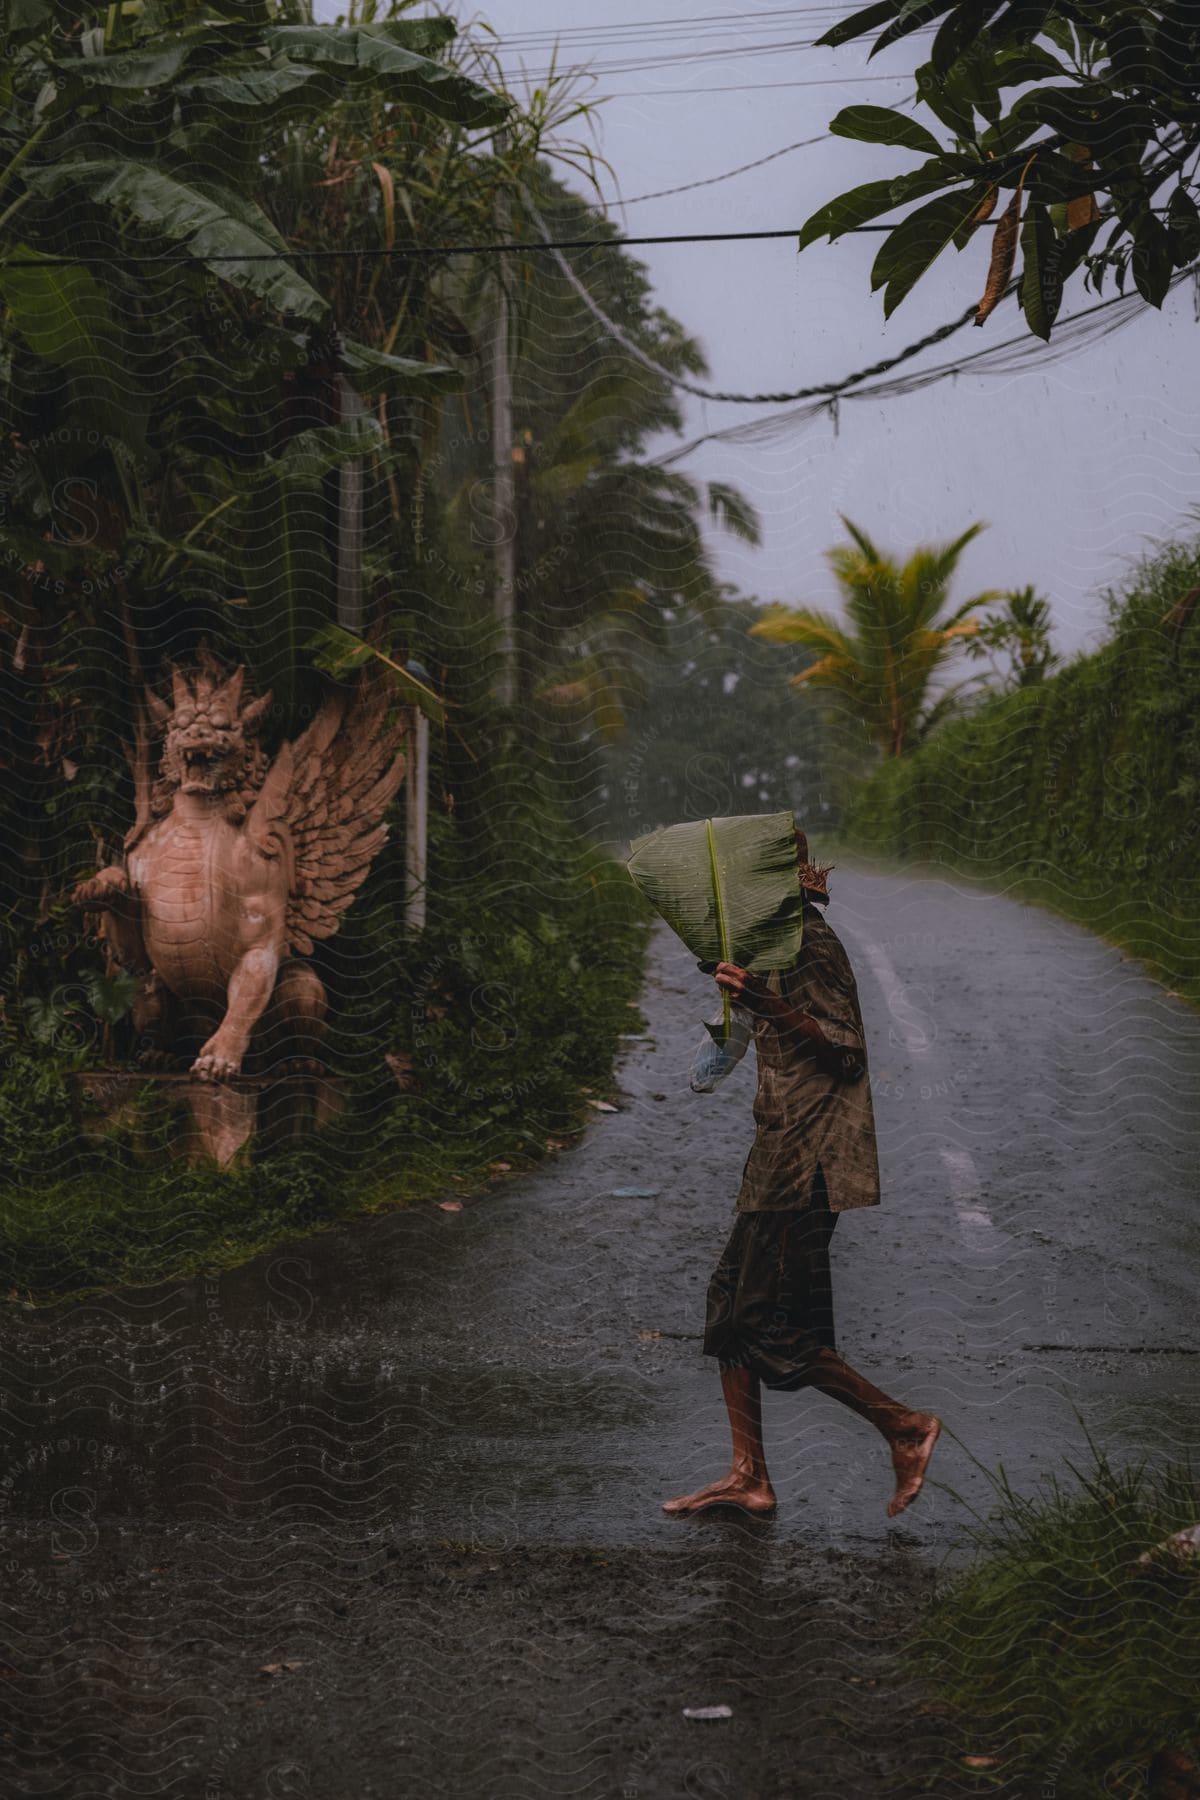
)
(327, 793)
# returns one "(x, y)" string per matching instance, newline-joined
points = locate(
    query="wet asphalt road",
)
(420, 1459)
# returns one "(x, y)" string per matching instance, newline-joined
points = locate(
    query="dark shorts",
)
(770, 1300)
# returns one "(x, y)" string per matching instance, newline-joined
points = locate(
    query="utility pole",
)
(503, 490)
(523, 561)
(349, 520)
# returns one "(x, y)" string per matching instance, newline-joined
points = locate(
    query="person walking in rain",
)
(769, 1316)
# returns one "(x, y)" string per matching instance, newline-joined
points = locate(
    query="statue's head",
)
(210, 731)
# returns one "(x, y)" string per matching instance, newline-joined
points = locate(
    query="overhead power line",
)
(695, 56)
(509, 247)
(821, 395)
(635, 350)
(691, 24)
(1013, 355)
(711, 180)
(742, 16)
(633, 65)
(633, 47)
(740, 87)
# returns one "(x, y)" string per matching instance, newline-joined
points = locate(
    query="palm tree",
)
(1022, 633)
(899, 635)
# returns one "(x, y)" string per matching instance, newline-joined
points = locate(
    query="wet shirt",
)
(808, 1115)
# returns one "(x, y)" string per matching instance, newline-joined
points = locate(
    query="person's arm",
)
(793, 1024)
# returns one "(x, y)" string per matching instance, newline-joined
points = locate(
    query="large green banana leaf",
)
(63, 314)
(372, 371)
(213, 223)
(729, 887)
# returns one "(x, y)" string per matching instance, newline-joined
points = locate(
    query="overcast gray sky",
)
(1076, 465)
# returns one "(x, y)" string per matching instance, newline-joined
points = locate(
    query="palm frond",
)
(805, 626)
(830, 671)
(963, 628)
(977, 603)
(734, 512)
(862, 540)
(937, 637)
(604, 401)
(946, 556)
(561, 481)
(945, 707)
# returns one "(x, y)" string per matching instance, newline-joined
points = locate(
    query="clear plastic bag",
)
(716, 1057)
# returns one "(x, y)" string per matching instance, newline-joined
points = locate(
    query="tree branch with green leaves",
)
(1064, 108)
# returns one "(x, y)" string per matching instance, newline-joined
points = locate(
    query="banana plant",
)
(157, 314)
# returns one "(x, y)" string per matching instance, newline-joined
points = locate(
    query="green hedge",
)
(1080, 792)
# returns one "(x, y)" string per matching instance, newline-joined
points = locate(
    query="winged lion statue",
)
(236, 865)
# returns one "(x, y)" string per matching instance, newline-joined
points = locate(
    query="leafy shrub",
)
(509, 1002)
(1060, 1654)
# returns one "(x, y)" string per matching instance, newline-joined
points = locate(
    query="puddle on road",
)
(426, 1371)
(162, 1434)
(379, 1378)
(366, 1371)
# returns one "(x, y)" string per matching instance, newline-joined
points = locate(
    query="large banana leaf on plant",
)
(208, 221)
(379, 55)
(64, 316)
(255, 69)
(341, 653)
(730, 888)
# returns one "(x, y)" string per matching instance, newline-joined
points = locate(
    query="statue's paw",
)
(96, 893)
(213, 1065)
(156, 1059)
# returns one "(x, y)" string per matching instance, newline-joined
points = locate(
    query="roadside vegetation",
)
(1078, 791)
(472, 1052)
(176, 424)
(1066, 1664)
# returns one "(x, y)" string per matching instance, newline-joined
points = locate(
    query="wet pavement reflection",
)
(216, 1470)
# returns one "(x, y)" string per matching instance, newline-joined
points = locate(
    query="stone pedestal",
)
(217, 1120)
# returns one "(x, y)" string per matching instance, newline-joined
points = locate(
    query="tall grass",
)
(1069, 1667)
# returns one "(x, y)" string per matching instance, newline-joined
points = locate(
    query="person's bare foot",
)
(911, 1451)
(752, 1493)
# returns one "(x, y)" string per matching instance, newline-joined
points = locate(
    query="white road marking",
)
(973, 1216)
(907, 1024)
(974, 1219)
